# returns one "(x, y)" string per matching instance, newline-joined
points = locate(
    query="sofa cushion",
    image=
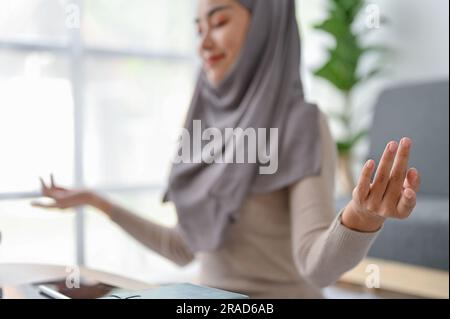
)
(422, 239)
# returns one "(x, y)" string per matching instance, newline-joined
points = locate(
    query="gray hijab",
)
(263, 90)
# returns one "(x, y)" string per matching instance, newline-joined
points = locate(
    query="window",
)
(98, 105)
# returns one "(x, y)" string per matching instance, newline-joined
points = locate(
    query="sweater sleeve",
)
(165, 241)
(323, 248)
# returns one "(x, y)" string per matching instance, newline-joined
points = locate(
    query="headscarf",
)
(262, 90)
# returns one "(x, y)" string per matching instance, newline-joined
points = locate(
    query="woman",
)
(264, 235)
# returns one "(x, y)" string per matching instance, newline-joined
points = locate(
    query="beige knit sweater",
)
(286, 244)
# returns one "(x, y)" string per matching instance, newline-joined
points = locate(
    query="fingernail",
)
(415, 173)
(409, 194)
(369, 164)
(393, 147)
(406, 142)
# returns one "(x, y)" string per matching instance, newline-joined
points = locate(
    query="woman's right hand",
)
(63, 198)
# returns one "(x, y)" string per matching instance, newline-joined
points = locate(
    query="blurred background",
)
(95, 91)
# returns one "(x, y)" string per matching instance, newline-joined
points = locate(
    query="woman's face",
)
(222, 28)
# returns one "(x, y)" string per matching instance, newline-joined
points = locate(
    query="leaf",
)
(349, 51)
(336, 28)
(351, 7)
(339, 73)
(341, 67)
(343, 147)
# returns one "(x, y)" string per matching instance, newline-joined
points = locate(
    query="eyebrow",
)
(214, 11)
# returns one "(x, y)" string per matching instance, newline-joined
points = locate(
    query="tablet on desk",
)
(58, 289)
(85, 290)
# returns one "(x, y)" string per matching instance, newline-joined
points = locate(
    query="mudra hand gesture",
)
(63, 198)
(392, 194)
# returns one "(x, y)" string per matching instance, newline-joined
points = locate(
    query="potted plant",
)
(342, 71)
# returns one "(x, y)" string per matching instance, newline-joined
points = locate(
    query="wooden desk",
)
(402, 278)
(20, 274)
(397, 280)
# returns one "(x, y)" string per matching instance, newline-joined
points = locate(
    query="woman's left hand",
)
(391, 195)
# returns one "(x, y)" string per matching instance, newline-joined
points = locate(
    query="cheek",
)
(233, 41)
(227, 41)
(231, 46)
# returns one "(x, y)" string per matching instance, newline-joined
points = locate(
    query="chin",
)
(214, 79)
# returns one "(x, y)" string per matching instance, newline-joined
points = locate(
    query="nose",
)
(206, 42)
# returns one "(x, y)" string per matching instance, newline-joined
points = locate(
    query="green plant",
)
(342, 68)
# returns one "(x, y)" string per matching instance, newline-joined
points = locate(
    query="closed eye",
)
(220, 23)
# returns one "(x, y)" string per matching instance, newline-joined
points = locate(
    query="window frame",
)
(76, 51)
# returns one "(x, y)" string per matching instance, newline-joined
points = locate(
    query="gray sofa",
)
(420, 111)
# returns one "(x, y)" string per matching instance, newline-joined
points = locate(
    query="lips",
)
(215, 59)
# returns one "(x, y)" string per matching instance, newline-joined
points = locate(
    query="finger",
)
(412, 180)
(406, 204)
(362, 189)
(43, 205)
(383, 171)
(395, 186)
(52, 181)
(54, 186)
(56, 204)
(44, 188)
